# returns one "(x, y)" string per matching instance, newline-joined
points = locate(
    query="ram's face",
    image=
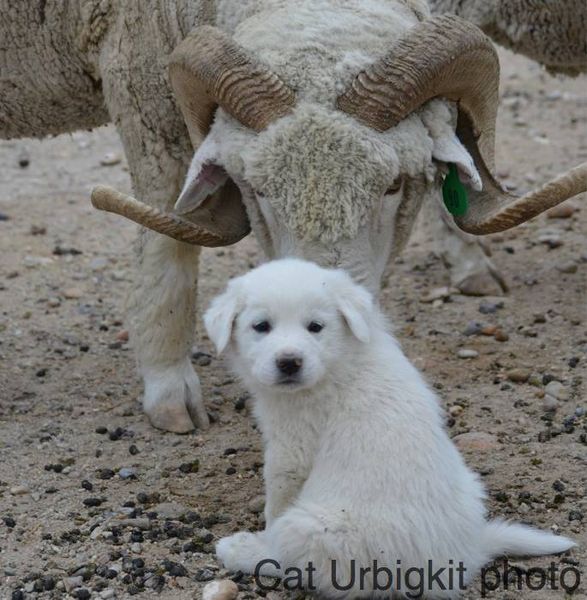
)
(319, 185)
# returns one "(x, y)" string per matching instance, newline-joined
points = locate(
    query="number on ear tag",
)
(454, 193)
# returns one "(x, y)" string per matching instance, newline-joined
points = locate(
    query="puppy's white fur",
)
(358, 465)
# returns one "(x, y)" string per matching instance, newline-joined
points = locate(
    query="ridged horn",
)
(210, 69)
(448, 57)
(169, 224)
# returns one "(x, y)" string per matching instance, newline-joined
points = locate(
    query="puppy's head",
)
(289, 323)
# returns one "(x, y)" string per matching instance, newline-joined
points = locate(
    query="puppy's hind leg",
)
(323, 547)
(247, 552)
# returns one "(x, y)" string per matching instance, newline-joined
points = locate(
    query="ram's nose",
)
(289, 364)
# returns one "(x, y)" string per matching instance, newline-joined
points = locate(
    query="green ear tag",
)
(454, 193)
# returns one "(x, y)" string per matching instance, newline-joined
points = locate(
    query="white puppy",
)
(359, 471)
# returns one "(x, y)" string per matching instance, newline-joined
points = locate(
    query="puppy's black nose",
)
(289, 365)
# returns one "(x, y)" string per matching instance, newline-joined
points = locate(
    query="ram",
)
(553, 33)
(322, 125)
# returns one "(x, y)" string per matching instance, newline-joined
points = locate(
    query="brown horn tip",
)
(110, 200)
(496, 210)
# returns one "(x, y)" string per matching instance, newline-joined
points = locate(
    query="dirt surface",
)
(70, 417)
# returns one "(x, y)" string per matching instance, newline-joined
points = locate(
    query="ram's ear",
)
(448, 149)
(356, 306)
(210, 198)
(219, 318)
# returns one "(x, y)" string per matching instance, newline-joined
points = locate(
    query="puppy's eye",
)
(395, 187)
(315, 327)
(262, 327)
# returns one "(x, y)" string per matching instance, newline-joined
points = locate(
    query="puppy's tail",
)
(501, 537)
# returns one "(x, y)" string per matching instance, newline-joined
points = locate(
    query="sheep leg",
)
(162, 302)
(465, 256)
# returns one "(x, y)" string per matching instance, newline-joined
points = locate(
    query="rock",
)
(440, 293)
(203, 575)
(568, 267)
(37, 261)
(518, 375)
(467, 353)
(473, 328)
(489, 330)
(138, 523)
(550, 237)
(19, 490)
(110, 159)
(488, 307)
(53, 302)
(202, 359)
(557, 390)
(107, 594)
(170, 510)
(550, 403)
(127, 473)
(71, 583)
(220, 590)
(72, 293)
(38, 230)
(122, 335)
(98, 264)
(476, 441)
(455, 411)
(501, 336)
(257, 504)
(562, 211)
(575, 515)
(24, 158)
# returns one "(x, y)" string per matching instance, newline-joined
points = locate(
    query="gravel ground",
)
(96, 503)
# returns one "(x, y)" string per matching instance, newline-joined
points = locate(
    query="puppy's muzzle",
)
(289, 365)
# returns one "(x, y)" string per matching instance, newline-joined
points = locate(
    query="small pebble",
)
(518, 375)
(562, 211)
(488, 307)
(568, 267)
(122, 336)
(501, 336)
(72, 293)
(110, 159)
(467, 353)
(204, 575)
(220, 590)
(257, 504)
(473, 328)
(550, 404)
(557, 390)
(72, 583)
(476, 441)
(127, 473)
(440, 293)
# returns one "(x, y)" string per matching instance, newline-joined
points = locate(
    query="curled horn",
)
(209, 69)
(451, 58)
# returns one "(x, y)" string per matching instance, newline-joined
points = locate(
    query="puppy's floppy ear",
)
(219, 318)
(356, 305)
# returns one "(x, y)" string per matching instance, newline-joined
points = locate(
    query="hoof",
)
(173, 399)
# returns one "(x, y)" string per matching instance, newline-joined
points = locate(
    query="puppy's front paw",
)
(242, 551)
